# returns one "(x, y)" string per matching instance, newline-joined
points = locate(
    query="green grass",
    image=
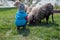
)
(34, 32)
(57, 7)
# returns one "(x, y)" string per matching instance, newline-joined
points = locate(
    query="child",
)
(21, 16)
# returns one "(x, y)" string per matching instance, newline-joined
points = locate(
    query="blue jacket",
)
(20, 18)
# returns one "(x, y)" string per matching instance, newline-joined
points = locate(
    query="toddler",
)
(21, 16)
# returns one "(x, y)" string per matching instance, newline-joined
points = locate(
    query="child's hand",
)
(26, 17)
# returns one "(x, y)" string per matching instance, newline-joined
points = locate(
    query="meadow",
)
(40, 31)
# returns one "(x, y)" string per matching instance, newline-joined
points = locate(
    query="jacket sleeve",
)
(26, 16)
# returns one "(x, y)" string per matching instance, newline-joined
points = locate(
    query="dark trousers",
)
(24, 26)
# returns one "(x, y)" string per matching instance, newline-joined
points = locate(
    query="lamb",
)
(41, 12)
(31, 14)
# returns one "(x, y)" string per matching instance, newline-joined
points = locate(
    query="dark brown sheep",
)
(39, 13)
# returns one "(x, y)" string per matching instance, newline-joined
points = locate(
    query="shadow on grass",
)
(24, 32)
(50, 24)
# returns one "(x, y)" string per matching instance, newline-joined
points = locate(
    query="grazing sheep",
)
(41, 12)
(34, 10)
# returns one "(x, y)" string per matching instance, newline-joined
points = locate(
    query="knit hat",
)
(21, 6)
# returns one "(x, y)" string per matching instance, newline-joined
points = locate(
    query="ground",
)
(33, 32)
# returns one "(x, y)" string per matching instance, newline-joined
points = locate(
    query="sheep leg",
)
(52, 18)
(47, 18)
